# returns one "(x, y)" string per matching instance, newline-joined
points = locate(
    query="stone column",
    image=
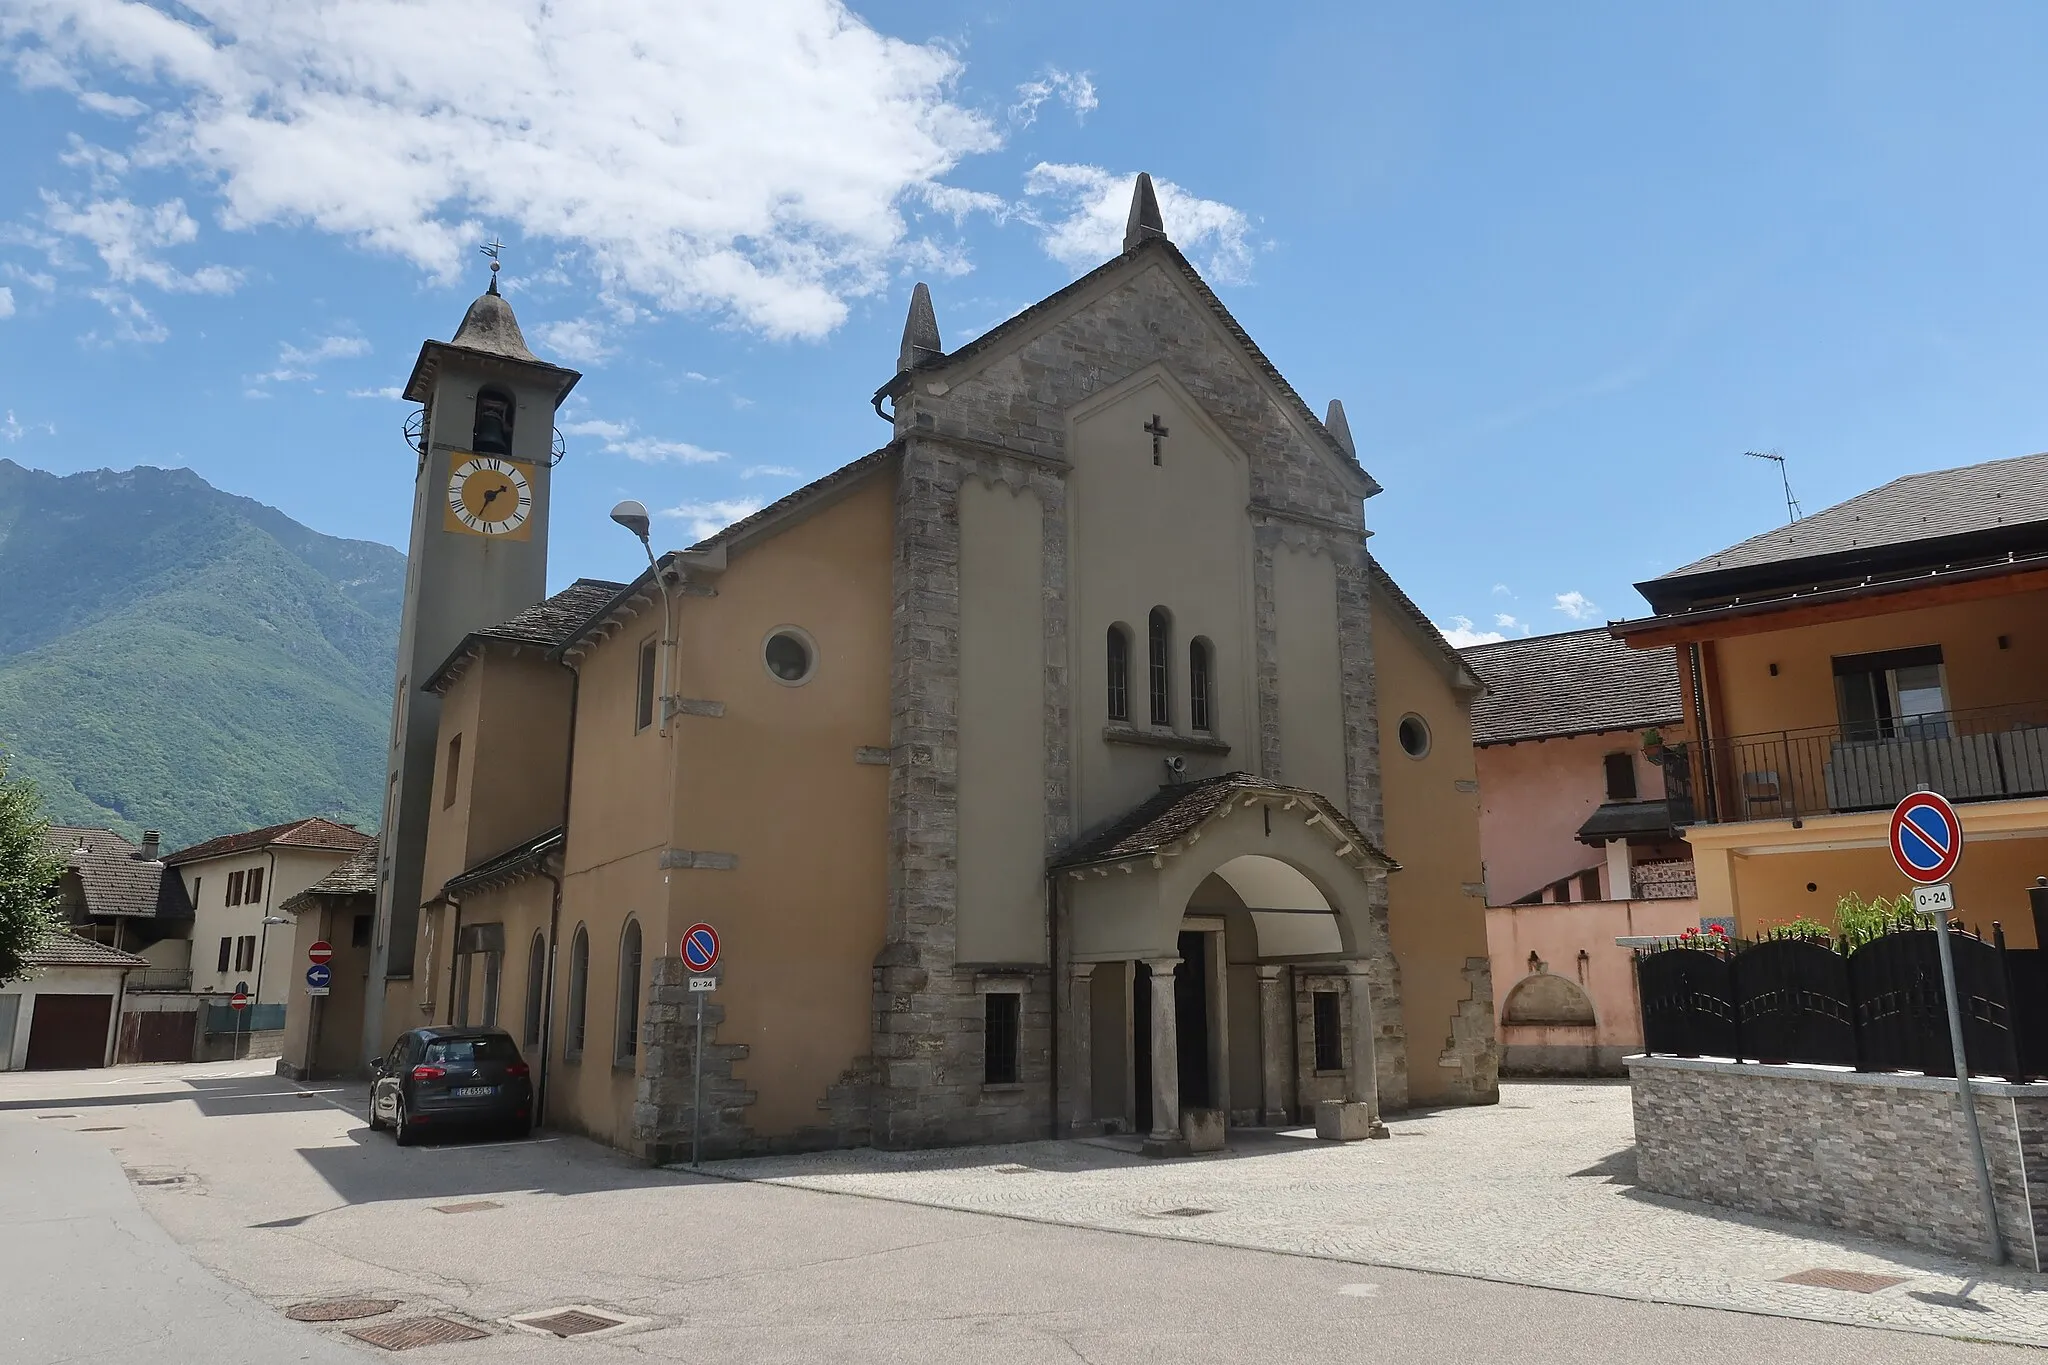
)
(1276, 1045)
(1165, 1139)
(1076, 1022)
(1620, 878)
(1362, 1071)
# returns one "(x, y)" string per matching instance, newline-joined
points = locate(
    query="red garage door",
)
(68, 1031)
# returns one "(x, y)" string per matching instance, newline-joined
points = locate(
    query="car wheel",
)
(400, 1129)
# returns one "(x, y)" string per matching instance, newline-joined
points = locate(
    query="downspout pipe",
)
(547, 1012)
(455, 962)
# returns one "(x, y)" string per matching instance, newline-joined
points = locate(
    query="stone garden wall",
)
(1882, 1155)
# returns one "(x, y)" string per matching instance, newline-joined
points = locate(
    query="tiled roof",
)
(354, 876)
(69, 950)
(1943, 502)
(1577, 683)
(545, 624)
(114, 876)
(1620, 819)
(1171, 813)
(314, 832)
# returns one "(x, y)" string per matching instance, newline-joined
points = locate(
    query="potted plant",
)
(1653, 746)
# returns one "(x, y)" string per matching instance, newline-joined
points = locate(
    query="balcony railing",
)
(160, 979)
(1994, 753)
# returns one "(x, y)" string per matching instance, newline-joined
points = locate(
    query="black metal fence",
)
(1991, 753)
(1878, 1008)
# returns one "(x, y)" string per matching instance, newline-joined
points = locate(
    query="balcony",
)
(1991, 754)
(156, 979)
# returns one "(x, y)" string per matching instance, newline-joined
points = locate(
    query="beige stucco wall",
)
(333, 1022)
(1436, 914)
(1144, 535)
(1534, 796)
(447, 844)
(1002, 729)
(1557, 934)
(1311, 691)
(213, 919)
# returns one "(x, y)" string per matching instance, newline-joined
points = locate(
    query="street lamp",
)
(633, 516)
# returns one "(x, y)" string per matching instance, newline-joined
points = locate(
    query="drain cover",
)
(1013, 1170)
(109, 1128)
(407, 1333)
(339, 1310)
(1182, 1213)
(473, 1206)
(1855, 1281)
(571, 1322)
(56, 1116)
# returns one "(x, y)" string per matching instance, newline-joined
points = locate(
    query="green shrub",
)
(1859, 920)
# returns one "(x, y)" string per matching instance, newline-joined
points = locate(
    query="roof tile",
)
(313, 832)
(115, 877)
(63, 949)
(1577, 683)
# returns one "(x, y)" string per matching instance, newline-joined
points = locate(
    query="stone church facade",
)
(1064, 766)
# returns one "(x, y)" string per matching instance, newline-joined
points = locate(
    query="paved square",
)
(1539, 1190)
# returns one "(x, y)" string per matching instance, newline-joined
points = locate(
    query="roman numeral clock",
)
(489, 495)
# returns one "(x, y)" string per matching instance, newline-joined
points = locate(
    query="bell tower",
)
(478, 555)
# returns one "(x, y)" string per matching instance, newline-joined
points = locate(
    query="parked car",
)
(451, 1077)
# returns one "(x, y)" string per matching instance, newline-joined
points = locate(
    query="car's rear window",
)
(470, 1051)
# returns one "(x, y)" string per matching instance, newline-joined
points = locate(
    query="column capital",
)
(1081, 971)
(1270, 971)
(1356, 966)
(1161, 964)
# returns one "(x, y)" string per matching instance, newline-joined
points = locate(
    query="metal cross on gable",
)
(1158, 432)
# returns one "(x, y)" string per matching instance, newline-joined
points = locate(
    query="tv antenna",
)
(1792, 512)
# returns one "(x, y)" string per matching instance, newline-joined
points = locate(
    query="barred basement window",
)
(1156, 631)
(1119, 673)
(1329, 1012)
(999, 1037)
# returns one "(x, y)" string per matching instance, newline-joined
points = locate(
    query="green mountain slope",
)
(179, 658)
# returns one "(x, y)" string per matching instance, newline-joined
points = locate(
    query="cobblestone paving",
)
(1537, 1191)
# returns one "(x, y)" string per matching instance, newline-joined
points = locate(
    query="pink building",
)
(1578, 843)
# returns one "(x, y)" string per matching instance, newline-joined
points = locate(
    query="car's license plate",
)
(470, 1092)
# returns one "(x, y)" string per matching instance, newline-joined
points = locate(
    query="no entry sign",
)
(238, 1001)
(700, 947)
(1927, 837)
(320, 952)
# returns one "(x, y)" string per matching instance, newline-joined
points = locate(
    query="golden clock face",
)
(490, 496)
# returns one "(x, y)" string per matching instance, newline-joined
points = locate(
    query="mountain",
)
(179, 658)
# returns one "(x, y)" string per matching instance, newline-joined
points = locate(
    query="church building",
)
(1063, 766)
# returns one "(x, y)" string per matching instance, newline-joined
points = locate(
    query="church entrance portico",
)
(1259, 903)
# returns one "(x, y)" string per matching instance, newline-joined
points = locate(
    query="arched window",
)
(1119, 673)
(1199, 709)
(626, 1023)
(494, 413)
(579, 995)
(536, 986)
(1156, 632)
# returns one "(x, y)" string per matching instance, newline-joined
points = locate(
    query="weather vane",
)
(491, 249)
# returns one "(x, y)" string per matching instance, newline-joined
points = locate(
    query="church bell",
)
(493, 434)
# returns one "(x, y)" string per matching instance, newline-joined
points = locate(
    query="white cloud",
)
(709, 518)
(748, 157)
(132, 321)
(13, 429)
(1461, 632)
(1503, 590)
(1514, 625)
(618, 438)
(1071, 88)
(580, 341)
(388, 391)
(128, 237)
(957, 203)
(119, 106)
(6, 302)
(770, 471)
(1575, 605)
(299, 362)
(1091, 206)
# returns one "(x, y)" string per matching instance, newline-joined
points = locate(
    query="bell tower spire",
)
(478, 555)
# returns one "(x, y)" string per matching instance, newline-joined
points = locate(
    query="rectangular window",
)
(1894, 694)
(1589, 885)
(253, 891)
(1198, 686)
(227, 947)
(1119, 658)
(1621, 777)
(643, 713)
(1329, 1021)
(454, 770)
(999, 1029)
(245, 952)
(359, 932)
(1156, 667)
(235, 888)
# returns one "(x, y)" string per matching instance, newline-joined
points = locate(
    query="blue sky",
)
(1563, 264)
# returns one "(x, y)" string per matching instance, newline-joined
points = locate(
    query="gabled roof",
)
(315, 832)
(1947, 520)
(1001, 334)
(545, 625)
(63, 949)
(1578, 683)
(354, 876)
(114, 876)
(1461, 671)
(1173, 812)
(514, 864)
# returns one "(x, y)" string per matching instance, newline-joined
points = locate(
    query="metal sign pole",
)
(697, 1086)
(1963, 1095)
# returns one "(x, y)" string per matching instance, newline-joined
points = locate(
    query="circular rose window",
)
(790, 656)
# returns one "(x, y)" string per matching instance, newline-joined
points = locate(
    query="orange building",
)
(1894, 642)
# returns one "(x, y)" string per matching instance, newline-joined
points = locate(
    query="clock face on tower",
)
(490, 496)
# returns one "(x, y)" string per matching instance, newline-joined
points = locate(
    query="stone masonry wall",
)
(1885, 1156)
